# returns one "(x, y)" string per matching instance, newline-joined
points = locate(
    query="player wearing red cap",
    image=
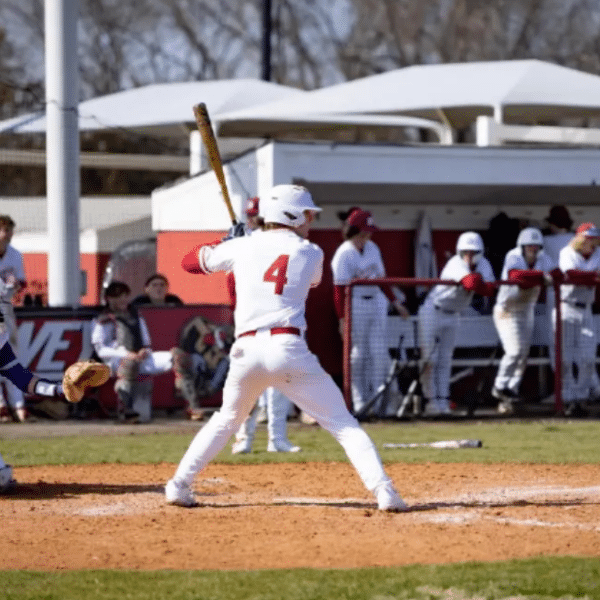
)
(359, 258)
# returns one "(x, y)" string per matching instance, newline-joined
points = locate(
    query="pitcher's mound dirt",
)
(295, 515)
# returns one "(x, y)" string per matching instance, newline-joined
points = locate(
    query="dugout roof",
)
(455, 94)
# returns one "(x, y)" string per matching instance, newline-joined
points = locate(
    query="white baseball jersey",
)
(348, 264)
(570, 259)
(274, 271)
(454, 297)
(513, 296)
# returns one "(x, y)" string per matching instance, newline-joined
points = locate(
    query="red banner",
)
(51, 339)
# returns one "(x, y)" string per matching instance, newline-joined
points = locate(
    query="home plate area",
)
(297, 515)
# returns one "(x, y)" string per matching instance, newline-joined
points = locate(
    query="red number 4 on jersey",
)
(276, 273)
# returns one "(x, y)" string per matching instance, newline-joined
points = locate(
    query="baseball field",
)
(517, 518)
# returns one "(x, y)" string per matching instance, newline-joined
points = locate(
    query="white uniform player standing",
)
(12, 279)
(438, 318)
(580, 262)
(359, 258)
(275, 404)
(274, 270)
(528, 266)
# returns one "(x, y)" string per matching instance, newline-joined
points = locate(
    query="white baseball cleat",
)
(389, 499)
(243, 446)
(282, 446)
(179, 494)
(6, 479)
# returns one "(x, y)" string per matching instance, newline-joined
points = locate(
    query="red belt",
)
(274, 331)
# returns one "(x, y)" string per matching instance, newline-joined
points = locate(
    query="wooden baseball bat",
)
(444, 444)
(214, 156)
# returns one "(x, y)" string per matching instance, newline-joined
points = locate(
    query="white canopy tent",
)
(162, 110)
(518, 91)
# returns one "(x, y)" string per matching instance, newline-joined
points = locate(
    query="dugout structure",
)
(478, 350)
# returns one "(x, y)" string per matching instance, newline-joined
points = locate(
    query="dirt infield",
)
(296, 515)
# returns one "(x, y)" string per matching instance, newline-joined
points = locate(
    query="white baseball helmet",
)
(285, 204)
(530, 236)
(470, 240)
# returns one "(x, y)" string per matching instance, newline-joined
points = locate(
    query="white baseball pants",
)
(515, 329)
(437, 338)
(277, 413)
(369, 358)
(579, 349)
(285, 362)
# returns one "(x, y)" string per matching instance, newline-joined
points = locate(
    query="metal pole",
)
(558, 350)
(267, 30)
(347, 347)
(62, 147)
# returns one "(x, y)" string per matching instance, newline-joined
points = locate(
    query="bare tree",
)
(394, 33)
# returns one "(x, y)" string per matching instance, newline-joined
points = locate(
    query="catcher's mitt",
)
(83, 375)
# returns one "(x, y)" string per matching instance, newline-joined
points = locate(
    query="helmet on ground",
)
(285, 204)
(530, 236)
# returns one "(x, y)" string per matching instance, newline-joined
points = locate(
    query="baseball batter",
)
(359, 258)
(580, 262)
(12, 279)
(274, 270)
(438, 318)
(529, 267)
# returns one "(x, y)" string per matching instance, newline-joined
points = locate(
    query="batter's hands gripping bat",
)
(214, 156)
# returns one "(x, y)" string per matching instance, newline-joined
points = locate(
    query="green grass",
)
(551, 441)
(538, 579)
